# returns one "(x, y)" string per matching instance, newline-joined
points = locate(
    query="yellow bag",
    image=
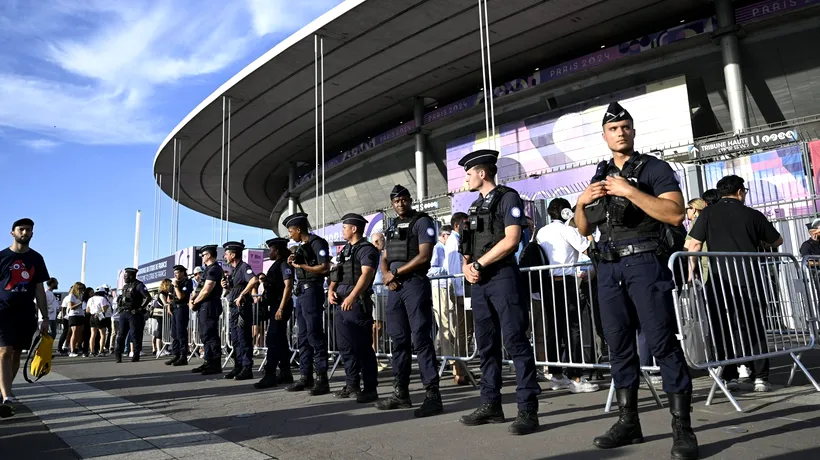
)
(39, 357)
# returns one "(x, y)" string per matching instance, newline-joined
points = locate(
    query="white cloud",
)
(99, 72)
(40, 144)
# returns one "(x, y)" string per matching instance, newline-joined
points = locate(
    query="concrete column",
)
(421, 160)
(291, 186)
(735, 89)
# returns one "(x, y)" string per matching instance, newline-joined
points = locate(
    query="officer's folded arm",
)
(206, 290)
(321, 269)
(505, 247)
(423, 258)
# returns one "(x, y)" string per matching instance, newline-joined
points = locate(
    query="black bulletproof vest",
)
(274, 284)
(179, 302)
(349, 263)
(306, 254)
(625, 220)
(402, 243)
(132, 298)
(487, 227)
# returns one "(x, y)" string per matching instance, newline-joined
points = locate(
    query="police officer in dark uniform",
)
(180, 315)
(410, 240)
(207, 301)
(351, 291)
(311, 261)
(132, 306)
(242, 284)
(499, 295)
(636, 202)
(278, 297)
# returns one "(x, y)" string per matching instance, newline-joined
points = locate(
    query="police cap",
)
(399, 190)
(180, 268)
(276, 242)
(210, 248)
(479, 157)
(354, 219)
(299, 219)
(25, 221)
(615, 113)
(235, 246)
(131, 270)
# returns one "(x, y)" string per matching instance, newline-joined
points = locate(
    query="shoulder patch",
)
(322, 253)
(431, 231)
(250, 272)
(288, 271)
(515, 212)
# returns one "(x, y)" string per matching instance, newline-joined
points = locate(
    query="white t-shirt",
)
(97, 304)
(562, 244)
(53, 305)
(70, 300)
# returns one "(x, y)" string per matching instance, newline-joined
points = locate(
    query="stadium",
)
(396, 97)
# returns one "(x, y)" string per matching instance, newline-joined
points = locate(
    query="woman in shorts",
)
(73, 305)
(96, 307)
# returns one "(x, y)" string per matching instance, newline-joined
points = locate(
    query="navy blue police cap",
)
(276, 242)
(210, 248)
(296, 220)
(180, 268)
(25, 221)
(233, 246)
(354, 219)
(131, 270)
(479, 157)
(399, 190)
(615, 113)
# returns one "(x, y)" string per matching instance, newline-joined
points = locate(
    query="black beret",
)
(296, 220)
(180, 268)
(276, 241)
(615, 113)
(233, 246)
(399, 190)
(22, 222)
(354, 219)
(479, 157)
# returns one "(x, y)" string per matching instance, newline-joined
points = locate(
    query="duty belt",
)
(612, 255)
(308, 284)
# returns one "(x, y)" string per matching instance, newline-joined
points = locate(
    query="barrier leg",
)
(792, 372)
(611, 396)
(716, 376)
(335, 365)
(228, 358)
(441, 368)
(652, 389)
(714, 387)
(264, 361)
(164, 348)
(293, 356)
(797, 361)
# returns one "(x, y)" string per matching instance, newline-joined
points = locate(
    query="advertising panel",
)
(156, 271)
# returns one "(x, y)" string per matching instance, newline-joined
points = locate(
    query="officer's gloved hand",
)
(240, 322)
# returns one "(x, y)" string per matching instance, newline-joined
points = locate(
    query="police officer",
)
(351, 291)
(636, 203)
(499, 294)
(278, 296)
(409, 248)
(208, 305)
(242, 284)
(180, 316)
(132, 305)
(312, 263)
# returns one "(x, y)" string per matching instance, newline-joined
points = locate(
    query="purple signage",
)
(770, 8)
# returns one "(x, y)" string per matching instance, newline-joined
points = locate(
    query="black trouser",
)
(134, 323)
(561, 308)
(64, 334)
(86, 334)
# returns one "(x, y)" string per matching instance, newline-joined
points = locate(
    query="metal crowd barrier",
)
(752, 307)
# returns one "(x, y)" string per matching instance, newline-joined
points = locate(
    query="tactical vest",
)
(187, 283)
(306, 255)
(485, 229)
(349, 263)
(274, 284)
(238, 287)
(131, 298)
(402, 245)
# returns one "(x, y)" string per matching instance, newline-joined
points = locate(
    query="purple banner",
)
(770, 8)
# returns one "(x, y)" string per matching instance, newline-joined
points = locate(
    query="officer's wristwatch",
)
(477, 266)
(395, 272)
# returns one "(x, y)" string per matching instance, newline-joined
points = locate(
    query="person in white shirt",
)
(96, 306)
(379, 301)
(73, 305)
(459, 321)
(563, 245)
(53, 306)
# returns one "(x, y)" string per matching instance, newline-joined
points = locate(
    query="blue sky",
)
(89, 89)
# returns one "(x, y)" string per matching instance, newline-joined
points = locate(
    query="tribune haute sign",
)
(744, 142)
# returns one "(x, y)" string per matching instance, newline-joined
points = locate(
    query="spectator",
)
(97, 306)
(53, 306)
(261, 316)
(462, 326)
(115, 319)
(86, 347)
(693, 210)
(711, 196)
(736, 287)
(380, 300)
(162, 303)
(811, 247)
(73, 305)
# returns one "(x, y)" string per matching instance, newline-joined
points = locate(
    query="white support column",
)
(82, 269)
(421, 160)
(137, 240)
(222, 179)
(730, 48)
(228, 180)
(291, 187)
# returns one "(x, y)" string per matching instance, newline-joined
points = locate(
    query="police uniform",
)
(310, 310)
(241, 319)
(180, 317)
(276, 340)
(132, 303)
(635, 292)
(354, 327)
(409, 312)
(500, 304)
(208, 312)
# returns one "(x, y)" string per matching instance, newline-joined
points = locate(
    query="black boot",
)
(432, 402)
(171, 361)
(213, 367)
(367, 397)
(284, 376)
(245, 374)
(199, 369)
(322, 386)
(233, 373)
(182, 361)
(348, 391)
(684, 442)
(136, 357)
(627, 430)
(486, 413)
(118, 358)
(302, 384)
(400, 399)
(269, 380)
(525, 423)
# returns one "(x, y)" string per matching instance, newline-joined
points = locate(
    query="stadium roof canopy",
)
(379, 55)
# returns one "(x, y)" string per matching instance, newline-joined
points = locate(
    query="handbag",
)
(38, 362)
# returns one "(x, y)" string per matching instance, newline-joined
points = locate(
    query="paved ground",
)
(92, 408)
